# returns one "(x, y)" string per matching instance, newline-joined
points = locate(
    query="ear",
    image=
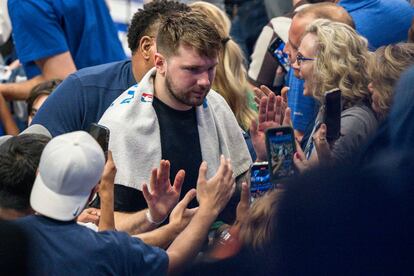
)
(160, 63)
(145, 46)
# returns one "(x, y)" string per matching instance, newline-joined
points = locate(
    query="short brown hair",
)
(189, 28)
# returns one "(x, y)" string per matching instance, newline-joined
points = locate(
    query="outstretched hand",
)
(214, 193)
(181, 215)
(272, 113)
(163, 196)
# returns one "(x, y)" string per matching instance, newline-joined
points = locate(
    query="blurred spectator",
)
(332, 55)
(84, 96)
(382, 22)
(69, 170)
(54, 38)
(13, 249)
(5, 25)
(385, 69)
(38, 96)
(230, 80)
(19, 159)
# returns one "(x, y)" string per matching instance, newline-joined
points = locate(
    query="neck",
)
(12, 214)
(162, 93)
(139, 67)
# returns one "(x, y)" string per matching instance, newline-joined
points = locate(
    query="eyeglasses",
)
(300, 58)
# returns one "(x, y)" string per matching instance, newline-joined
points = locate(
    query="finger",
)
(284, 92)
(287, 120)
(270, 114)
(202, 172)
(245, 194)
(189, 196)
(228, 176)
(262, 109)
(166, 175)
(147, 195)
(258, 92)
(266, 90)
(257, 101)
(278, 110)
(178, 181)
(153, 179)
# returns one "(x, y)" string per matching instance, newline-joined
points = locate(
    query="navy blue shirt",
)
(83, 97)
(67, 248)
(44, 28)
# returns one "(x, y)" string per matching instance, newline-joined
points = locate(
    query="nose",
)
(204, 79)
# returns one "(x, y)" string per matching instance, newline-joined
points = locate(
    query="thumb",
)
(245, 194)
(189, 196)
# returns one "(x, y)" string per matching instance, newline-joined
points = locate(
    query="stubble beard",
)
(181, 96)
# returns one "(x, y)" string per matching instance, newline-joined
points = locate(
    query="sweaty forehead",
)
(189, 55)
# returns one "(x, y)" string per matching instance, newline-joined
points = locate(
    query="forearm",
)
(188, 243)
(107, 221)
(133, 223)
(6, 118)
(21, 90)
(160, 237)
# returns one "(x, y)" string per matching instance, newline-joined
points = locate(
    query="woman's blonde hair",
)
(260, 224)
(388, 62)
(342, 59)
(230, 80)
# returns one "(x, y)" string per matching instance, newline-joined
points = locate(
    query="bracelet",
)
(151, 220)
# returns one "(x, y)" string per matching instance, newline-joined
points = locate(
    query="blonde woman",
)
(332, 55)
(387, 64)
(230, 80)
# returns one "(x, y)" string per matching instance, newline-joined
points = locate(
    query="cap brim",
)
(53, 205)
(281, 26)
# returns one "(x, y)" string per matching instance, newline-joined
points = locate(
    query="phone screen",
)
(101, 135)
(259, 180)
(276, 49)
(280, 149)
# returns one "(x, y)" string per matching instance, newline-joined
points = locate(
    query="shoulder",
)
(359, 118)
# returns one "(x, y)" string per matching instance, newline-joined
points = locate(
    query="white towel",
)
(135, 134)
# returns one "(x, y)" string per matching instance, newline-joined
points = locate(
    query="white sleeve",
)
(5, 25)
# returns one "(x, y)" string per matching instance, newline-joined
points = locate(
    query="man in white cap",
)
(69, 170)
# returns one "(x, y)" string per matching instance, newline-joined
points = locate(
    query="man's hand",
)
(322, 146)
(272, 113)
(90, 215)
(163, 197)
(180, 215)
(213, 194)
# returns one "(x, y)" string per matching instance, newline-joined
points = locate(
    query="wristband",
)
(151, 220)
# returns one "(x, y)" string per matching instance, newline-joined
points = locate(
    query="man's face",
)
(189, 76)
(296, 30)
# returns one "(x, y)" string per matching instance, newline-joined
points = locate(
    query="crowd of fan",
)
(187, 116)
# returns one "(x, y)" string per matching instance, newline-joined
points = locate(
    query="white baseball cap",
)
(33, 129)
(70, 166)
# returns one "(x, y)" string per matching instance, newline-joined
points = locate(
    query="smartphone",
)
(332, 116)
(276, 50)
(101, 135)
(259, 180)
(280, 145)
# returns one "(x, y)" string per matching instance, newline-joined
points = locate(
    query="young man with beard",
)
(173, 114)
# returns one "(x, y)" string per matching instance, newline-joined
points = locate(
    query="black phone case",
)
(272, 48)
(332, 117)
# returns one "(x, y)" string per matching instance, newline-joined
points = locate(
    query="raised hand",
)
(272, 113)
(322, 146)
(215, 192)
(181, 215)
(163, 196)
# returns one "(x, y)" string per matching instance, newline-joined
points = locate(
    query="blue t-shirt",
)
(303, 108)
(67, 248)
(44, 28)
(382, 22)
(83, 97)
